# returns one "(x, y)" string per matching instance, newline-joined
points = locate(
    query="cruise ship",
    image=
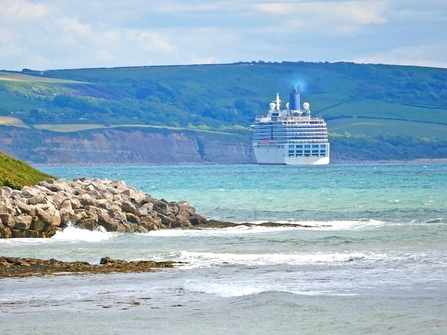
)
(290, 136)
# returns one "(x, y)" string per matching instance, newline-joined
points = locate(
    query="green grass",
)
(374, 127)
(16, 103)
(23, 92)
(383, 109)
(16, 174)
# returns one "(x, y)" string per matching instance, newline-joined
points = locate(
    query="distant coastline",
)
(405, 161)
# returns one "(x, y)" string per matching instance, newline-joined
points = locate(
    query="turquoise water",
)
(391, 192)
(371, 260)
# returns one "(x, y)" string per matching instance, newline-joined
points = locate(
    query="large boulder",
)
(25, 208)
(48, 213)
(5, 205)
(23, 222)
(7, 219)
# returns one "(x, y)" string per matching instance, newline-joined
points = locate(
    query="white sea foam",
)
(225, 290)
(257, 228)
(332, 225)
(351, 225)
(209, 259)
(76, 234)
(70, 233)
(238, 289)
(238, 230)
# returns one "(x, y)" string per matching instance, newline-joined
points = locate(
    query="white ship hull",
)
(270, 156)
(277, 156)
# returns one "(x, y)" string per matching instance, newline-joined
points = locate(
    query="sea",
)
(363, 251)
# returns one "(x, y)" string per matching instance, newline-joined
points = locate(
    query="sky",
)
(66, 34)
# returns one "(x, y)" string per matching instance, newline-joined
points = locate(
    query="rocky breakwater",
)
(94, 204)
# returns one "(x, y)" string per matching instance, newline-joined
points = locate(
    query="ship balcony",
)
(290, 129)
(315, 140)
(305, 138)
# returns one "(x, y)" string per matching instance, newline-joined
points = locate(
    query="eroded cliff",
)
(125, 146)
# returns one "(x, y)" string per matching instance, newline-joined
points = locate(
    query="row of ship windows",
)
(270, 145)
(307, 146)
(309, 133)
(291, 132)
(290, 136)
(290, 124)
(295, 139)
(307, 153)
(284, 135)
(304, 138)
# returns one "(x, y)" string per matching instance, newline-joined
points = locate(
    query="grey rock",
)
(87, 200)
(7, 219)
(37, 199)
(6, 191)
(23, 222)
(38, 224)
(52, 205)
(6, 206)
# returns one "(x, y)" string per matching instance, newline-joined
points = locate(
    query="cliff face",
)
(124, 146)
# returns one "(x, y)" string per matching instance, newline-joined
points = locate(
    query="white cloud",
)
(357, 12)
(21, 11)
(277, 8)
(151, 41)
(46, 34)
(104, 56)
(327, 18)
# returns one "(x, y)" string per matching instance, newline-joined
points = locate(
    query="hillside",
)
(378, 102)
(16, 174)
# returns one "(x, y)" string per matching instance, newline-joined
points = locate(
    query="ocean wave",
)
(209, 259)
(225, 290)
(334, 224)
(238, 230)
(238, 289)
(72, 233)
(257, 227)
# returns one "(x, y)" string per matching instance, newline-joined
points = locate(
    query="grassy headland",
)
(16, 174)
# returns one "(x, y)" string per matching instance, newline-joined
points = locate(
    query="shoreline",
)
(392, 161)
(333, 162)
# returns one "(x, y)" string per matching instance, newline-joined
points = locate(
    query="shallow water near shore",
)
(372, 258)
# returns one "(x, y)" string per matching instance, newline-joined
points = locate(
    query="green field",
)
(374, 127)
(21, 93)
(386, 110)
(26, 78)
(12, 122)
(67, 128)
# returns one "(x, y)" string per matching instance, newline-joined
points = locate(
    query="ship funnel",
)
(294, 101)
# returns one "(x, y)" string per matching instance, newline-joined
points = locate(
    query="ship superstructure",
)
(290, 136)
